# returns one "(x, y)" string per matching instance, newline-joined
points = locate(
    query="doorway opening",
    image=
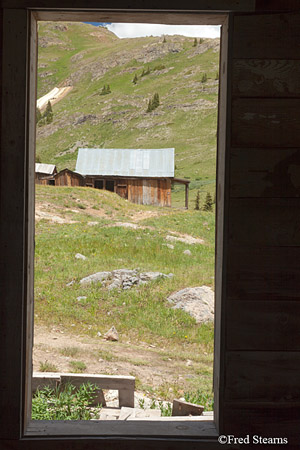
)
(181, 320)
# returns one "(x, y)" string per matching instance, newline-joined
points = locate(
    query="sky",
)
(132, 30)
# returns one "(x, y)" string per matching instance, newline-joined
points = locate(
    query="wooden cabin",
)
(67, 177)
(44, 173)
(142, 176)
(257, 277)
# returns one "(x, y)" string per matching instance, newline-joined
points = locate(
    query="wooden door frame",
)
(17, 159)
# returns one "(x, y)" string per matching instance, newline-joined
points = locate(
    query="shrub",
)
(195, 42)
(208, 203)
(165, 40)
(204, 78)
(105, 90)
(199, 397)
(135, 80)
(153, 103)
(77, 366)
(38, 115)
(48, 367)
(159, 67)
(67, 403)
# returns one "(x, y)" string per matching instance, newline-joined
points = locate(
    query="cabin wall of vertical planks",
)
(262, 387)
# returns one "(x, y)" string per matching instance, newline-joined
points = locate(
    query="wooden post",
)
(187, 196)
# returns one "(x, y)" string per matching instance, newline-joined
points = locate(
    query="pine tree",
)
(197, 201)
(195, 42)
(208, 203)
(165, 40)
(143, 73)
(204, 78)
(150, 107)
(201, 41)
(48, 114)
(108, 91)
(103, 91)
(135, 80)
(38, 115)
(155, 101)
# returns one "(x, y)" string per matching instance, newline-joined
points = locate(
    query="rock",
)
(112, 334)
(71, 283)
(116, 284)
(95, 277)
(196, 301)
(185, 238)
(170, 246)
(151, 276)
(81, 298)
(99, 335)
(187, 252)
(123, 273)
(80, 256)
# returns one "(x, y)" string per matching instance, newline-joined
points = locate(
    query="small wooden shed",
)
(67, 177)
(44, 173)
(142, 176)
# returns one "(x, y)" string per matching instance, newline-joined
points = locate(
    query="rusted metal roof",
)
(158, 162)
(45, 168)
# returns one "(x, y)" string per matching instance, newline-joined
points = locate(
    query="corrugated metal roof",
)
(158, 162)
(44, 168)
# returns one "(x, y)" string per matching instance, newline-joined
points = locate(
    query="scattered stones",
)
(99, 335)
(112, 334)
(170, 246)
(196, 301)
(81, 298)
(187, 252)
(123, 278)
(80, 256)
(95, 278)
(70, 283)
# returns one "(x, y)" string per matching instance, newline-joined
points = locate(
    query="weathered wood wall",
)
(68, 178)
(150, 192)
(262, 346)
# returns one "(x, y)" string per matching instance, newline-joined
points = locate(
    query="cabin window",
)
(98, 184)
(110, 185)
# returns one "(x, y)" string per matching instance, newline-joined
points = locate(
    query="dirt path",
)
(147, 363)
(54, 96)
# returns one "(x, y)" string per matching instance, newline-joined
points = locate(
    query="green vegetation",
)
(69, 351)
(89, 58)
(46, 117)
(197, 201)
(208, 205)
(105, 90)
(77, 366)
(48, 367)
(153, 103)
(204, 78)
(199, 397)
(195, 42)
(66, 403)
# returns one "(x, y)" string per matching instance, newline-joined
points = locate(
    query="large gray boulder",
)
(196, 301)
(95, 278)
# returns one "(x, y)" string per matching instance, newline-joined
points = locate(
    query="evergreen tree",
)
(208, 203)
(150, 107)
(204, 78)
(108, 91)
(38, 115)
(165, 40)
(143, 73)
(155, 101)
(201, 41)
(195, 42)
(48, 114)
(135, 80)
(217, 76)
(197, 201)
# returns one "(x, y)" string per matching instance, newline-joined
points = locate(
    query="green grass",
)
(47, 366)
(66, 403)
(77, 366)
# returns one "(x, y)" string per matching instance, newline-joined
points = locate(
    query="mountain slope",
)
(88, 58)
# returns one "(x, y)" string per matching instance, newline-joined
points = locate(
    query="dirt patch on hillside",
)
(144, 361)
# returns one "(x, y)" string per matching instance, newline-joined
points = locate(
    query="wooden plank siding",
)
(68, 178)
(262, 345)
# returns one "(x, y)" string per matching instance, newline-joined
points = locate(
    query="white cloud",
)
(132, 30)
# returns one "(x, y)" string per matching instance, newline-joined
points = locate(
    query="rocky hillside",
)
(87, 58)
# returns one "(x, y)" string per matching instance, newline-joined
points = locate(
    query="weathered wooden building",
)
(67, 177)
(44, 173)
(257, 282)
(142, 176)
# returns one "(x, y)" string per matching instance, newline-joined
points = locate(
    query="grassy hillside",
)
(87, 221)
(87, 57)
